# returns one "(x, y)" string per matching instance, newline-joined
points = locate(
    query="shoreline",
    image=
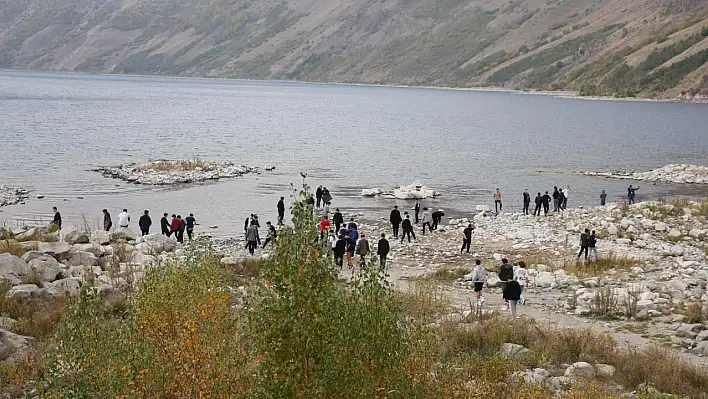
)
(561, 94)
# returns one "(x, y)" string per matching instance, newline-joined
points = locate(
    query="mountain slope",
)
(621, 47)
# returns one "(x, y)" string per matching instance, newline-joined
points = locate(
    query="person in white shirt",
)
(124, 219)
(521, 275)
(565, 200)
(479, 277)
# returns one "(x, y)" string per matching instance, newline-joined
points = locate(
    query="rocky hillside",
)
(599, 47)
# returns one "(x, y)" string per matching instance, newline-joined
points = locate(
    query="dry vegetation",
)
(169, 166)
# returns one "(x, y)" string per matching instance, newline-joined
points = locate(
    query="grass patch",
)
(12, 247)
(602, 265)
(170, 166)
(36, 317)
(446, 274)
(695, 313)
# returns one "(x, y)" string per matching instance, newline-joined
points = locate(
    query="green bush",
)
(704, 32)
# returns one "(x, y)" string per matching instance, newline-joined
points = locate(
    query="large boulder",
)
(580, 369)
(14, 347)
(13, 269)
(545, 279)
(48, 268)
(93, 248)
(514, 350)
(123, 234)
(100, 237)
(68, 286)
(81, 258)
(59, 250)
(33, 234)
(29, 256)
(25, 291)
(75, 236)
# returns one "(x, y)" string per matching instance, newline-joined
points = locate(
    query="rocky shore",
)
(175, 172)
(412, 191)
(12, 195)
(673, 173)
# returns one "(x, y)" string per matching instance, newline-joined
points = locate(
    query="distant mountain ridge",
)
(650, 48)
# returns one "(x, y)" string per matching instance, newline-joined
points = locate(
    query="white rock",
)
(48, 268)
(580, 369)
(514, 350)
(483, 208)
(623, 241)
(612, 229)
(605, 370)
(696, 233)
(25, 291)
(13, 269)
(75, 236)
(67, 286)
(675, 233)
(660, 226)
(14, 348)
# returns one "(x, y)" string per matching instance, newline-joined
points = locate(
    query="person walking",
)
(352, 224)
(311, 203)
(520, 276)
(546, 203)
(363, 249)
(584, 243)
(57, 218)
(527, 202)
(165, 225)
(592, 243)
(479, 277)
(281, 210)
(174, 227)
(566, 192)
(182, 227)
(467, 238)
(631, 194)
(144, 223)
(338, 220)
(417, 211)
(325, 210)
(272, 235)
(556, 199)
(539, 202)
(603, 198)
(497, 201)
(382, 250)
(107, 222)
(506, 274)
(395, 220)
(561, 200)
(124, 219)
(512, 293)
(252, 238)
(324, 227)
(351, 248)
(437, 218)
(427, 220)
(326, 196)
(318, 194)
(340, 248)
(191, 222)
(407, 228)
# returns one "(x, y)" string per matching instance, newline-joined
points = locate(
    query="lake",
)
(55, 127)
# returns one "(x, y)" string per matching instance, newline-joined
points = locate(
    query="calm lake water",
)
(56, 127)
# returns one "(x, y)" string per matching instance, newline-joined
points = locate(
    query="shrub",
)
(604, 303)
(12, 247)
(704, 32)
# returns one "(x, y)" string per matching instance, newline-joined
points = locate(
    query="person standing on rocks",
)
(437, 218)
(352, 224)
(318, 194)
(497, 201)
(340, 248)
(603, 198)
(407, 228)
(363, 249)
(326, 196)
(182, 227)
(467, 238)
(631, 193)
(539, 203)
(382, 249)
(123, 219)
(324, 227)
(417, 211)
(561, 200)
(584, 243)
(565, 197)
(395, 220)
(506, 274)
(165, 225)
(252, 238)
(546, 203)
(338, 220)
(351, 248)
(107, 222)
(427, 220)
(144, 223)
(281, 210)
(527, 202)
(592, 244)
(556, 199)
(512, 294)
(272, 234)
(520, 276)
(191, 222)
(57, 218)
(174, 227)
(479, 277)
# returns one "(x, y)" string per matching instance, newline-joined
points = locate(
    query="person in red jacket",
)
(174, 226)
(324, 226)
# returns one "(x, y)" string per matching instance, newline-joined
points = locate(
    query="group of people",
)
(251, 226)
(512, 282)
(177, 226)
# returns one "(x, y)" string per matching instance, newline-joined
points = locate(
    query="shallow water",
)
(463, 143)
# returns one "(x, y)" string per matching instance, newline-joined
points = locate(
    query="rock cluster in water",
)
(175, 172)
(412, 191)
(674, 173)
(12, 195)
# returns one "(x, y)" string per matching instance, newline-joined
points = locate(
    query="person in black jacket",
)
(281, 210)
(467, 238)
(407, 228)
(556, 199)
(318, 194)
(546, 199)
(506, 274)
(417, 211)
(512, 293)
(107, 222)
(437, 218)
(165, 225)
(340, 247)
(539, 204)
(527, 201)
(57, 218)
(561, 200)
(145, 222)
(395, 220)
(338, 220)
(383, 248)
(584, 244)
